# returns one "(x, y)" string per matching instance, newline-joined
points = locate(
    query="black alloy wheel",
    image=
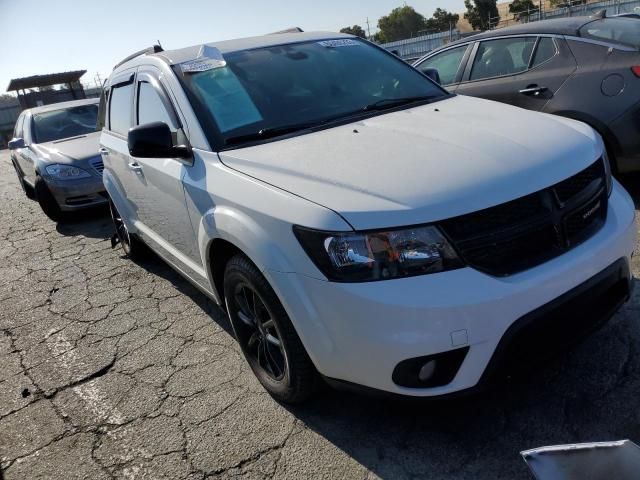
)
(259, 332)
(266, 335)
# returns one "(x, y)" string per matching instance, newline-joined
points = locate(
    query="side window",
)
(446, 63)
(546, 50)
(506, 56)
(120, 108)
(151, 108)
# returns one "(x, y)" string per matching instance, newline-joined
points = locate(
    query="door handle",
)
(136, 167)
(533, 90)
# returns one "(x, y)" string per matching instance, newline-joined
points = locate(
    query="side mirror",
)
(153, 140)
(433, 74)
(16, 143)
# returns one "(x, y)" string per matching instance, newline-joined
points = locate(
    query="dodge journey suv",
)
(358, 223)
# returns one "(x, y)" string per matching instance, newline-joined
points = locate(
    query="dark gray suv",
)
(585, 68)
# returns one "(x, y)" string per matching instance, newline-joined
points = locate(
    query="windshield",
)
(270, 91)
(64, 123)
(620, 30)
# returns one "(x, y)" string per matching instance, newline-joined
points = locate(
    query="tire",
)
(289, 376)
(26, 188)
(133, 248)
(47, 201)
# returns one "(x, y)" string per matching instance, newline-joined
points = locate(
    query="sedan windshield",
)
(64, 123)
(272, 91)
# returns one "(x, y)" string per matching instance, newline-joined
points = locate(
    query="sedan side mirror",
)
(433, 74)
(16, 143)
(154, 140)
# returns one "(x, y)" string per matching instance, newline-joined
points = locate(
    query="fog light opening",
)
(427, 371)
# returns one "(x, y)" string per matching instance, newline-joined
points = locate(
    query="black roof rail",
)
(145, 51)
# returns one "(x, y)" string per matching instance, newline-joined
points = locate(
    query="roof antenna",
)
(159, 44)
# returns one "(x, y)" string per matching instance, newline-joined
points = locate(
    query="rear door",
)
(449, 63)
(159, 192)
(114, 148)
(524, 71)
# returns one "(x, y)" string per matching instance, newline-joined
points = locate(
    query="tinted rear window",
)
(620, 30)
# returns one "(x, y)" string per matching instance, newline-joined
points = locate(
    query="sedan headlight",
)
(66, 172)
(380, 254)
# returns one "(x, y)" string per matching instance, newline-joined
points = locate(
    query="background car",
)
(55, 154)
(585, 68)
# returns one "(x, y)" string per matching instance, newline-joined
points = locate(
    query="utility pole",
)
(368, 29)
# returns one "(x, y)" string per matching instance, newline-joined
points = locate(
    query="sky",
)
(50, 36)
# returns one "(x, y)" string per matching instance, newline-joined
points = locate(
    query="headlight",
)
(607, 170)
(378, 255)
(66, 172)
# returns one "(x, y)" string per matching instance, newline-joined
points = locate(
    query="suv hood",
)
(424, 164)
(70, 150)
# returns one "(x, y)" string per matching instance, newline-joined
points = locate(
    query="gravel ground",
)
(114, 369)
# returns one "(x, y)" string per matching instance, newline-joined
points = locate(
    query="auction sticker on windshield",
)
(344, 42)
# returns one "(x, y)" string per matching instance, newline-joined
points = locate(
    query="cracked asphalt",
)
(114, 369)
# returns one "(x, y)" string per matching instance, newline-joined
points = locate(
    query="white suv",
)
(359, 223)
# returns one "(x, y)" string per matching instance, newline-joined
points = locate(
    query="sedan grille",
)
(97, 165)
(530, 230)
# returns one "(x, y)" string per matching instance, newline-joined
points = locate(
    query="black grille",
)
(530, 230)
(98, 165)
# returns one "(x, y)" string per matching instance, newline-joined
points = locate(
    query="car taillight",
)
(636, 70)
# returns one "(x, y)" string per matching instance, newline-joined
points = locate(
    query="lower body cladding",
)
(76, 194)
(438, 334)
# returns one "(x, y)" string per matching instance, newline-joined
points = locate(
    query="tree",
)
(566, 3)
(442, 20)
(521, 8)
(403, 22)
(481, 14)
(356, 30)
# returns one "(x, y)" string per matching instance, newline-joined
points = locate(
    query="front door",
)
(159, 192)
(522, 71)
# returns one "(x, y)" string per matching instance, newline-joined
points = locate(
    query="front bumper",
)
(359, 332)
(77, 194)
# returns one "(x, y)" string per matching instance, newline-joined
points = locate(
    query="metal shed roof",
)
(44, 80)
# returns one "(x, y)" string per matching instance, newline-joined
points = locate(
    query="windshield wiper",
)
(395, 102)
(271, 132)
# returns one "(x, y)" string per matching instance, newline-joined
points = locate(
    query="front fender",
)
(241, 230)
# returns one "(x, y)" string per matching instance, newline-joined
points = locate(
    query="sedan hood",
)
(68, 150)
(424, 164)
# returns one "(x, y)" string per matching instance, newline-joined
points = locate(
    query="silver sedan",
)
(55, 154)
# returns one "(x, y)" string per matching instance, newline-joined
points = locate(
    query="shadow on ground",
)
(91, 223)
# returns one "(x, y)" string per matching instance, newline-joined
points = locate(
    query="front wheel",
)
(266, 335)
(47, 201)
